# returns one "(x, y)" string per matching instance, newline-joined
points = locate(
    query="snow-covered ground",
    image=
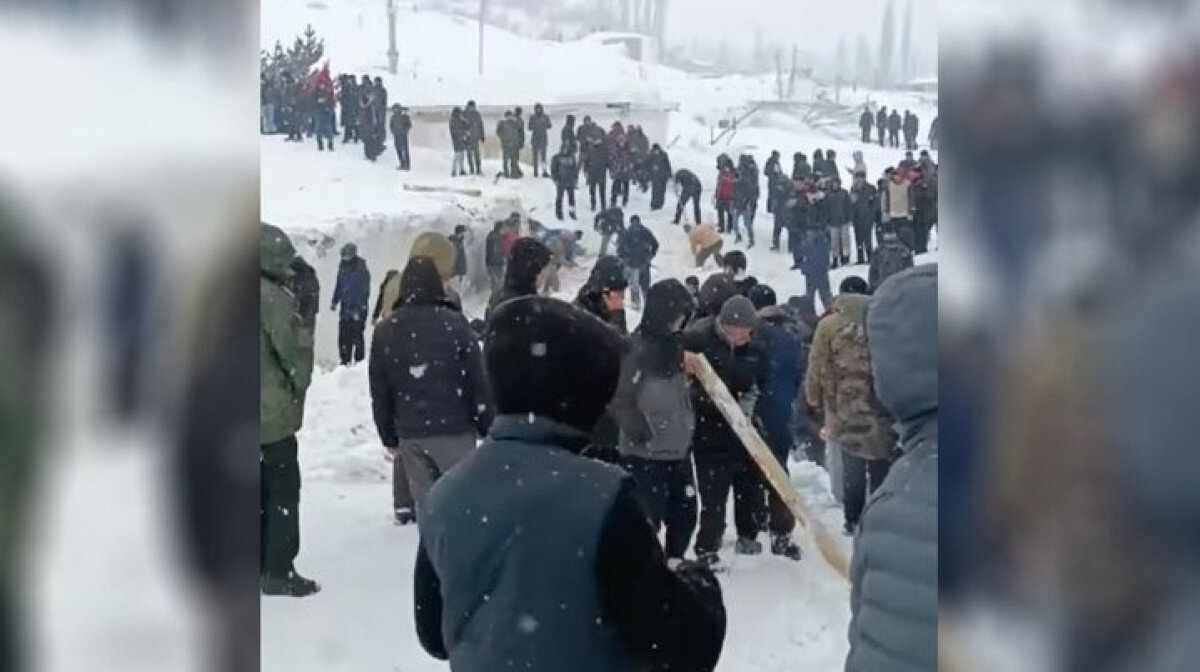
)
(782, 615)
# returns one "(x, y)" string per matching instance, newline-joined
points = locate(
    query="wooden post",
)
(776, 476)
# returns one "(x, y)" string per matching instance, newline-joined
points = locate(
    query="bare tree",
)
(862, 61)
(887, 45)
(906, 44)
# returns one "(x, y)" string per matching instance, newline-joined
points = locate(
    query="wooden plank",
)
(776, 476)
(427, 189)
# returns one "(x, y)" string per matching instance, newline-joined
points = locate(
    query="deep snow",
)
(782, 615)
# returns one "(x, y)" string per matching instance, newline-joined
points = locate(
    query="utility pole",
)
(482, 11)
(393, 54)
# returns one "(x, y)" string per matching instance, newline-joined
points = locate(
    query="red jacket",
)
(507, 240)
(725, 184)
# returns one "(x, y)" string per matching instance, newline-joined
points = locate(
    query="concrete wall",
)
(431, 125)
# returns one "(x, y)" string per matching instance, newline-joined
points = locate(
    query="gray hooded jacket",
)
(893, 574)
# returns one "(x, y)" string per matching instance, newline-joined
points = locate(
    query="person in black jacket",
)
(637, 249)
(352, 294)
(577, 573)
(837, 208)
(460, 133)
(658, 170)
(653, 409)
(475, 135)
(721, 460)
(493, 257)
(348, 99)
(881, 122)
(529, 258)
(773, 172)
(595, 164)
(400, 125)
(866, 122)
(307, 290)
(569, 143)
(864, 207)
(519, 131)
(894, 124)
(539, 139)
(689, 190)
(564, 170)
(429, 395)
(801, 170)
(603, 295)
(609, 223)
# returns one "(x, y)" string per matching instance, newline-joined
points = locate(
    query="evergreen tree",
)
(906, 44)
(887, 45)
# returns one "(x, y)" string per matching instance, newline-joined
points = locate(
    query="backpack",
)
(725, 186)
(857, 420)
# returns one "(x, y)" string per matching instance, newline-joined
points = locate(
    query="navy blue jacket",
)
(782, 338)
(353, 289)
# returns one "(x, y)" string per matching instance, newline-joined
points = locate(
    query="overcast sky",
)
(814, 23)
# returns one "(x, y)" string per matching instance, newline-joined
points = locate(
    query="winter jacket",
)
(652, 403)
(539, 130)
(772, 170)
(893, 572)
(891, 257)
(610, 221)
(801, 171)
(784, 342)
(285, 348)
(564, 169)
(897, 200)
(659, 166)
(637, 246)
(517, 562)
(894, 122)
(569, 140)
(596, 163)
(493, 252)
(703, 237)
(475, 131)
(837, 207)
(305, 286)
(400, 125)
(867, 120)
(881, 118)
(746, 192)
(839, 382)
(353, 290)
(528, 259)
(427, 375)
(460, 132)
(509, 132)
(742, 369)
(912, 125)
(726, 183)
(689, 184)
(864, 203)
(460, 256)
(519, 125)
(814, 251)
(621, 160)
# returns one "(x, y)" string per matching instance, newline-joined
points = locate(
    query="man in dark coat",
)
(912, 129)
(773, 172)
(609, 223)
(459, 273)
(745, 198)
(516, 505)
(352, 293)
(429, 396)
(529, 258)
(381, 107)
(621, 163)
(507, 132)
(652, 406)
(892, 257)
(866, 122)
(370, 126)
(864, 207)
(881, 123)
(595, 164)
(400, 125)
(519, 118)
(658, 171)
(637, 249)
(603, 295)
(348, 99)
(564, 170)
(721, 461)
(783, 341)
(801, 170)
(689, 190)
(475, 136)
(894, 123)
(569, 142)
(539, 139)
(494, 257)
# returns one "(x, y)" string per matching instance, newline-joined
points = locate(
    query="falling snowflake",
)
(417, 371)
(527, 624)
(689, 491)
(538, 350)
(483, 519)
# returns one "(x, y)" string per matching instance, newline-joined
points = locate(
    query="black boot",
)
(405, 516)
(782, 544)
(292, 585)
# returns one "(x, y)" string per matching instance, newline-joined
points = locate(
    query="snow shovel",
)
(775, 474)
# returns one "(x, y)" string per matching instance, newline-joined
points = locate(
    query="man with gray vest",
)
(534, 557)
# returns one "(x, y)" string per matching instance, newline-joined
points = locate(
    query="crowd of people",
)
(315, 105)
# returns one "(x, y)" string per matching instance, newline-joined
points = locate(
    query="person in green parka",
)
(285, 371)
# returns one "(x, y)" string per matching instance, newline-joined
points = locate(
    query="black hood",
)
(902, 332)
(715, 291)
(528, 258)
(420, 283)
(666, 301)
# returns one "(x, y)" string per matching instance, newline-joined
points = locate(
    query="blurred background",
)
(128, 346)
(1070, 516)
